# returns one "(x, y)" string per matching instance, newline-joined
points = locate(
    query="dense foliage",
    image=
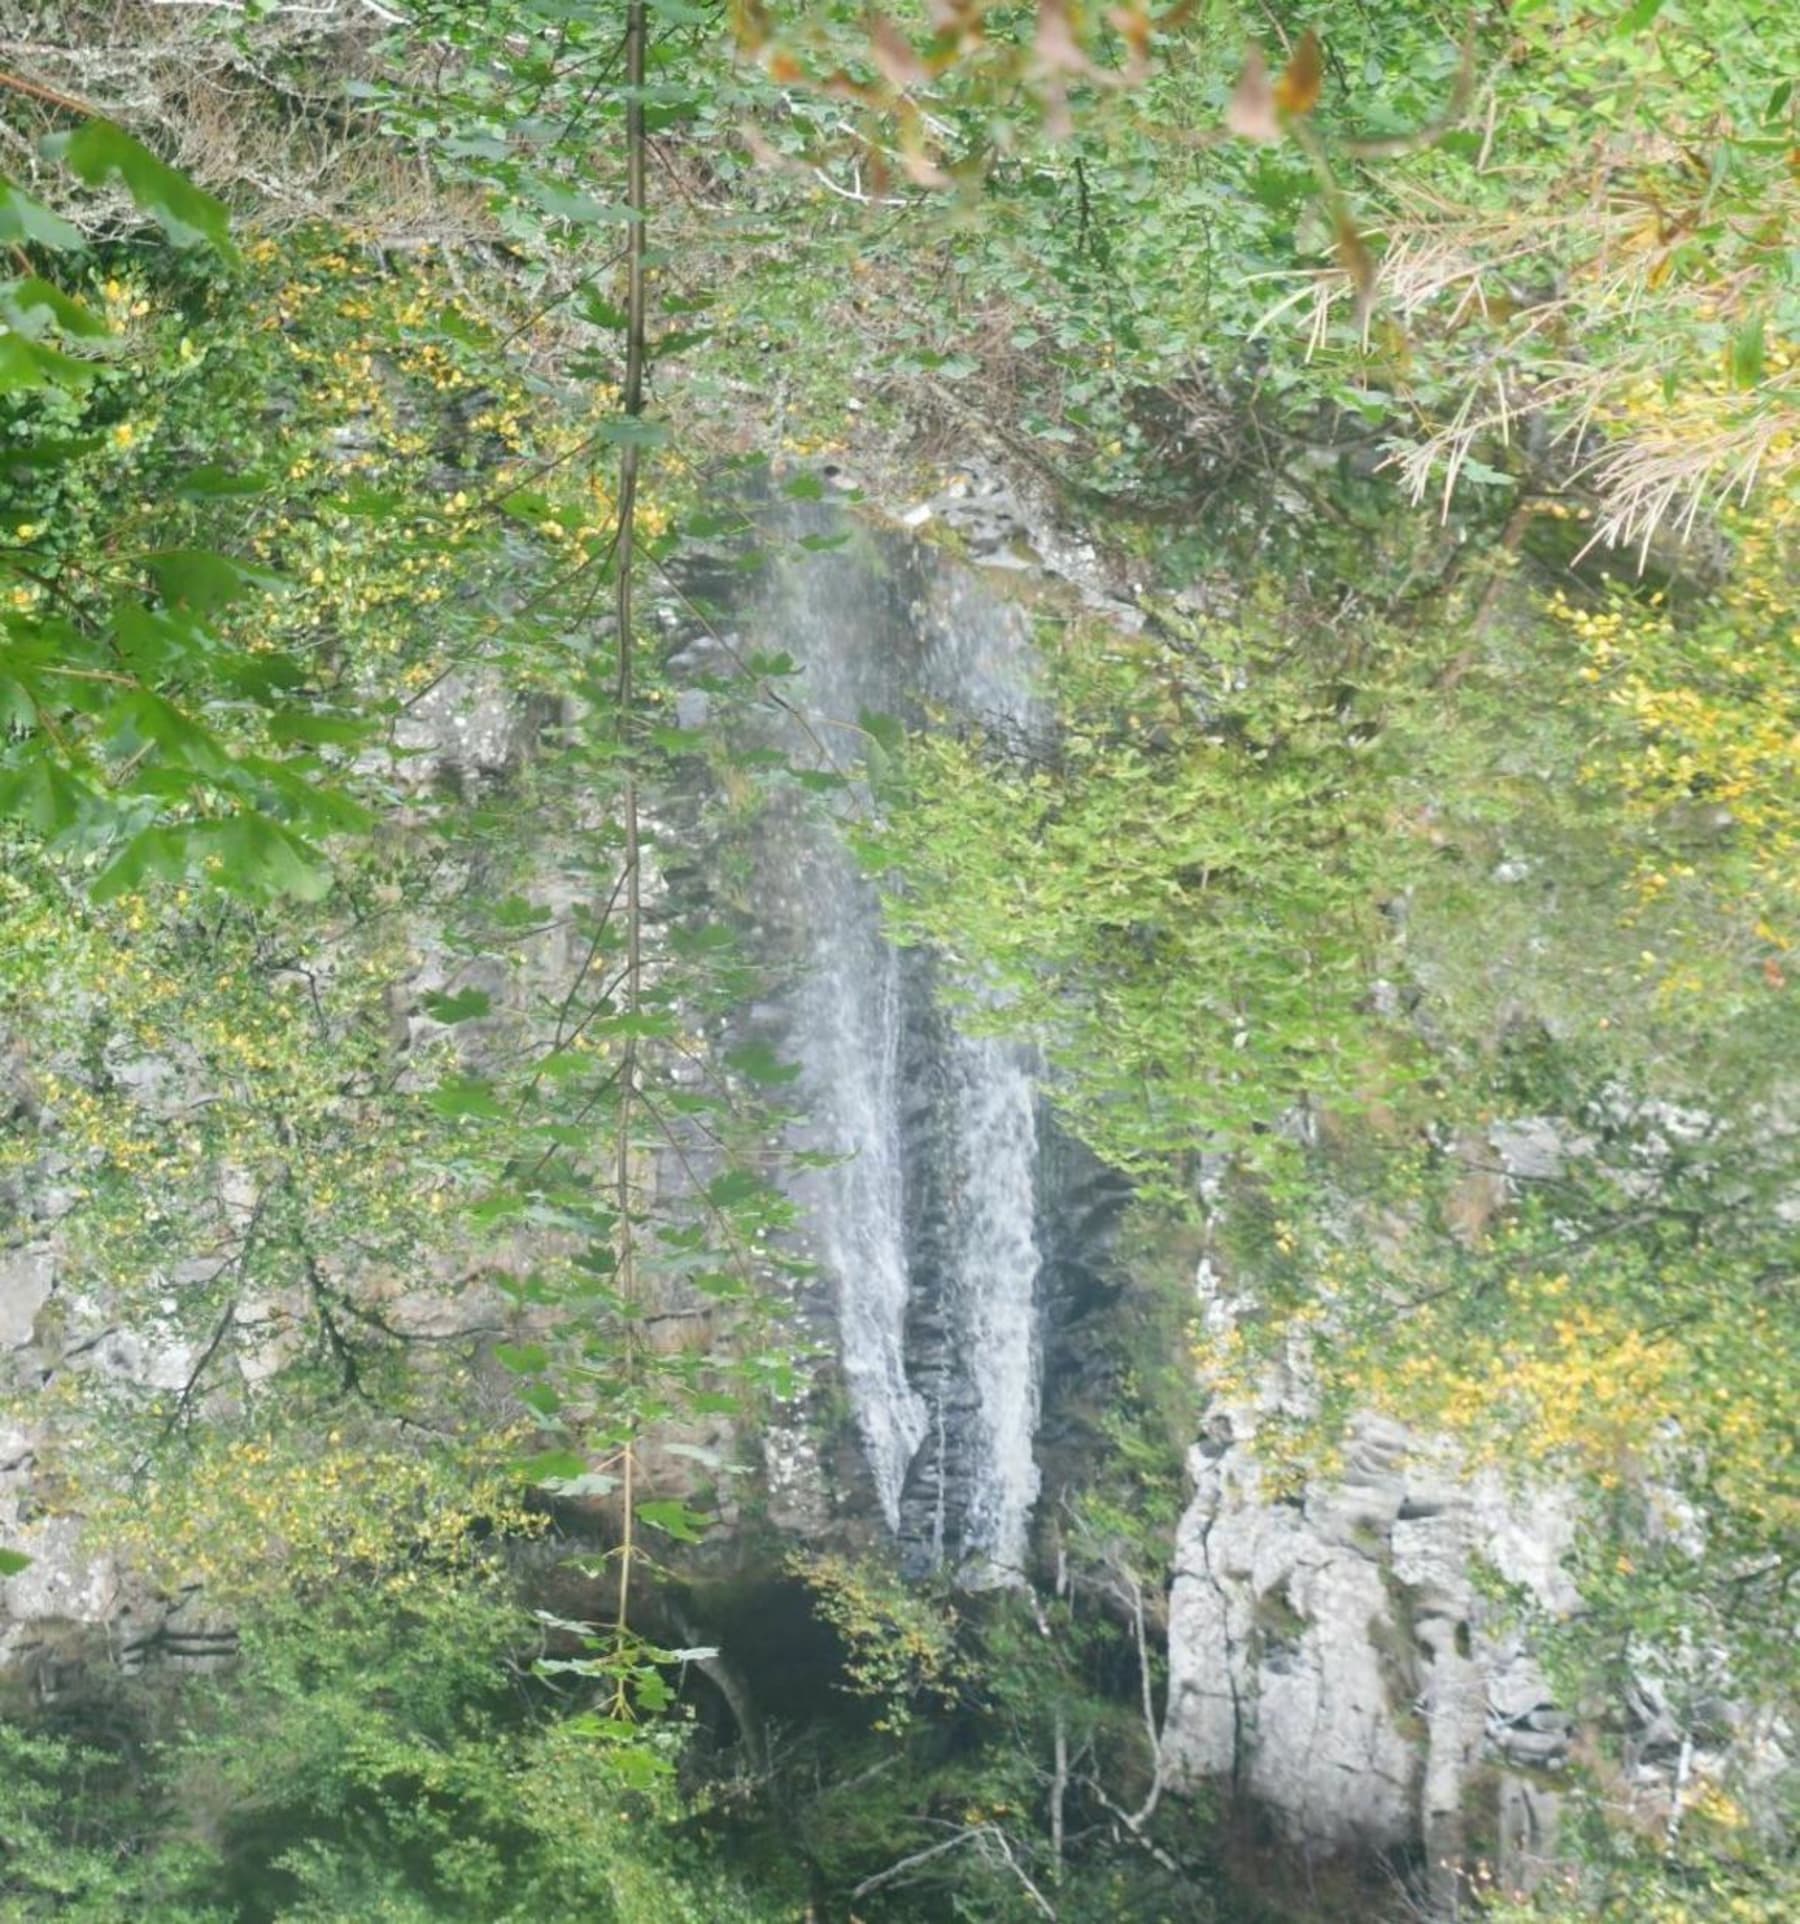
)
(365, 1761)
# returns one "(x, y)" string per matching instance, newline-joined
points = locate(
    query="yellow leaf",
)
(1356, 261)
(750, 22)
(1297, 91)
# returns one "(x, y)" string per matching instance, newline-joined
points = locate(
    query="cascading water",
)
(927, 1223)
(849, 1038)
(992, 1285)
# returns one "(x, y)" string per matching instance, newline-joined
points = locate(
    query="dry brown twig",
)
(1446, 270)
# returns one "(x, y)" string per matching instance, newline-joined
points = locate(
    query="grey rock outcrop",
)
(27, 1277)
(1331, 1656)
(1338, 1653)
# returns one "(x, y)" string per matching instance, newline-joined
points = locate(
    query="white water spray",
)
(959, 1421)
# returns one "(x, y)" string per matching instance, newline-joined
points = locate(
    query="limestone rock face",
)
(27, 1277)
(1335, 1654)
(1331, 1658)
(64, 1584)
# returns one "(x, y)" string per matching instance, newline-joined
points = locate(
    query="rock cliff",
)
(1332, 1657)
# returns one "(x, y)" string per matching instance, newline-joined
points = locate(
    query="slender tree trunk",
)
(1059, 1790)
(624, 559)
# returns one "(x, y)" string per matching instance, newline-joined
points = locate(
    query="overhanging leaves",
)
(99, 153)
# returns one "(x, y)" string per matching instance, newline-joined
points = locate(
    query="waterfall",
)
(849, 1040)
(926, 1225)
(994, 1283)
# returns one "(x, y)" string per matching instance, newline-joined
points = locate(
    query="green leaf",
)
(261, 675)
(200, 581)
(153, 644)
(369, 504)
(27, 364)
(582, 210)
(653, 1693)
(211, 482)
(1637, 17)
(12, 1562)
(701, 527)
(635, 1765)
(316, 729)
(720, 1285)
(677, 342)
(475, 147)
(804, 487)
(31, 305)
(256, 853)
(143, 717)
(886, 730)
(633, 431)
(714, 1403)
(1482, 475)
(709, 938)
(760, 1063)
(1747, 355)
(674, 1519)
(323, 809)
(589, 1483)
(553, 1466)
(464, 1006)
(22, 219)
(99, 152)
(523, 1359)
(645, 1025)
(156, 851)
(527, 504)
(53, 450)
(541, 1398)
(43, 794)
(734, 1186)
(467, 1096)
(560, 1064)
(600, 312)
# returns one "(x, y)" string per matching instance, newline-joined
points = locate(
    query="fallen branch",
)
(989, 1837)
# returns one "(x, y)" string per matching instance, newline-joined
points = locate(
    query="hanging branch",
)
(36, 90)
(1059, 1791)
(636, 30)
(1146, 1684)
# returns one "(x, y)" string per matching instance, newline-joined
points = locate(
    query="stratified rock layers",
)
(1332, 1658)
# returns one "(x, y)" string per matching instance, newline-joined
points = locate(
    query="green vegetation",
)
(367, 1759)
(378, 386)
